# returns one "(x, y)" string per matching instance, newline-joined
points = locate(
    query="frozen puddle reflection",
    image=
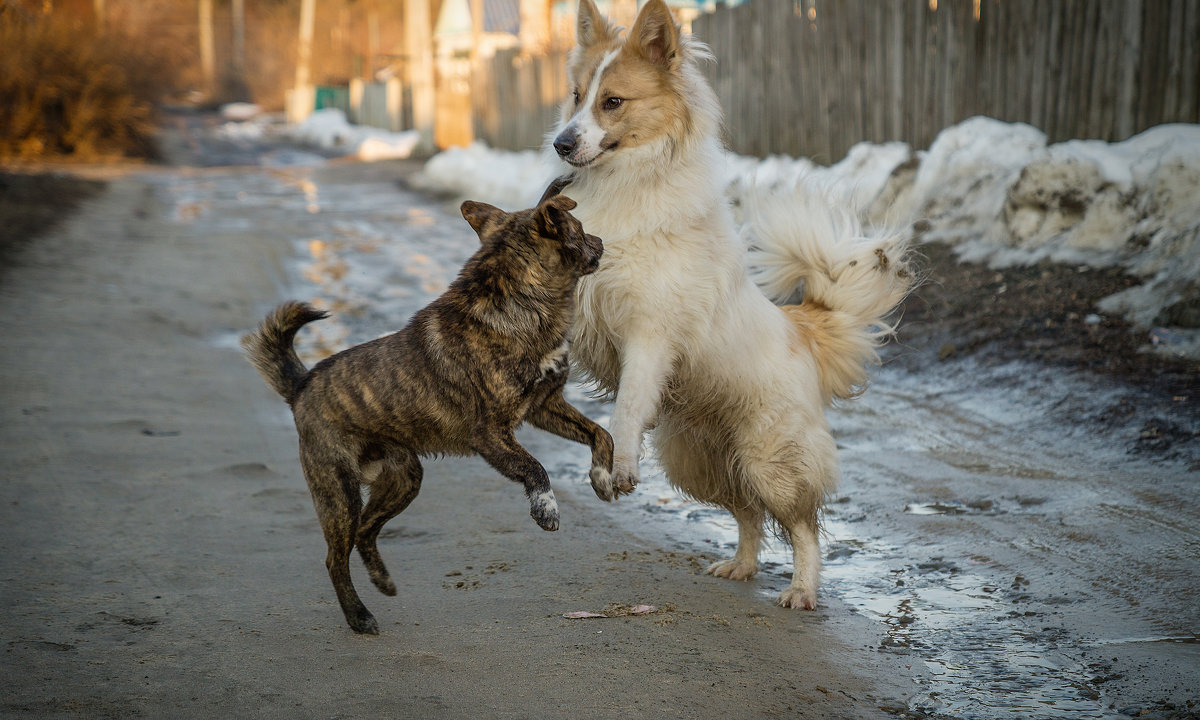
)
(982, 658)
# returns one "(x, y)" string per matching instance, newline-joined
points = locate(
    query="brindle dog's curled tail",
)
(270, 347)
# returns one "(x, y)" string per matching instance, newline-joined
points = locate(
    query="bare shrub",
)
(70, 90)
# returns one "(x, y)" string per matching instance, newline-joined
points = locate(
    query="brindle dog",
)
(486, 356)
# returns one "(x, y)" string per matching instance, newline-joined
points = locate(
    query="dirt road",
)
(159, 556)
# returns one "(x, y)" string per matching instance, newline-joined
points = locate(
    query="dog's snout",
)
(593, 249)
(565, 143)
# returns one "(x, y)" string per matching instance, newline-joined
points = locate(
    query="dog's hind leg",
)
(502, 451)
(392, 490)
(744, 563)
(695, 463)
(558, 416)
(791, 477)
(334, 481)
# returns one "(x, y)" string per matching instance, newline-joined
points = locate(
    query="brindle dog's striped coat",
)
(468, 369)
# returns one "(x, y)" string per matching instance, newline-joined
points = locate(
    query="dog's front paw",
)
(602, 483)
(543, 508)
(624, 480)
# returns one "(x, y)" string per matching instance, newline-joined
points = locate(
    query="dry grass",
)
(70, 91)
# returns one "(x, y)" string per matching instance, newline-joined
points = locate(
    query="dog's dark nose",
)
(565, 143)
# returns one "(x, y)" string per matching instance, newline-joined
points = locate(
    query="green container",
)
(328, 96)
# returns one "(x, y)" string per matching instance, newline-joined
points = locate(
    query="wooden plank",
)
(898, 59)
(914, 50)
(845, 121)
(1129, 70)
(1062, 83)
(1149, 97)
(849, 85)
(1173, 50)
(1037, 78)
(853, 62)
(1051, 120)
(1085, 72)
(819, 32)
(874, 89)
(1101, 115)
(936, 18)
(996, 60)
(1189, 77)
(790, 79)
(966, 35)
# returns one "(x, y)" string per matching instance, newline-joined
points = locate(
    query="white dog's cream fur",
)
(673, 323)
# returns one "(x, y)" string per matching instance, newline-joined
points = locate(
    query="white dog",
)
(673, 323)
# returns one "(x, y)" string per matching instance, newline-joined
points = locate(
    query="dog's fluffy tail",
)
(270, 347)
(851, 281)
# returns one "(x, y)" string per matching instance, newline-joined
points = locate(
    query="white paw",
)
(543, 508)
(602, 483)
(798, 598)
(624, 478)
(733, 569)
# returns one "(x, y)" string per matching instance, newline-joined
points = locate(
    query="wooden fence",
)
(516, 98)
(813, 77)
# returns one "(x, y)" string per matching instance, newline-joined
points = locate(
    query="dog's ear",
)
(655, 36)
(562, 202)
(478, 214)
(592, 28)
(554, 218)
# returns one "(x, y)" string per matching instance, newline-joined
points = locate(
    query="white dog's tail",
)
(851, 281)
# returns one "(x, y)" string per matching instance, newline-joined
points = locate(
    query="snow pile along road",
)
(995, 191)
(328, 128)
(507, 179)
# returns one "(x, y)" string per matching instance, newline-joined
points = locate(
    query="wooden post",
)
(535, 26)
(300, 102)
(207, 54)
(394, 99)
(239, 40)
(372, 42)
(357, 90)
(418, 34)
(1127, 74)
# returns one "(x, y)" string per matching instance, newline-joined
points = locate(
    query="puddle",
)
(981, 655)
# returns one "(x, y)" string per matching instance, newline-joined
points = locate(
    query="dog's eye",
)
(575, 94)
(613, 103)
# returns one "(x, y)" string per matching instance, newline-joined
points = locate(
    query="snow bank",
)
(508, 180)
(1000, 195)
(240, 111)
(328, 129)
(995, 191)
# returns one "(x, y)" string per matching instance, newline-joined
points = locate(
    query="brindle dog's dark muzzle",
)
(593, 248)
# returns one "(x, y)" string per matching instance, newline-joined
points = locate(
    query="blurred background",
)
(85, 78)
